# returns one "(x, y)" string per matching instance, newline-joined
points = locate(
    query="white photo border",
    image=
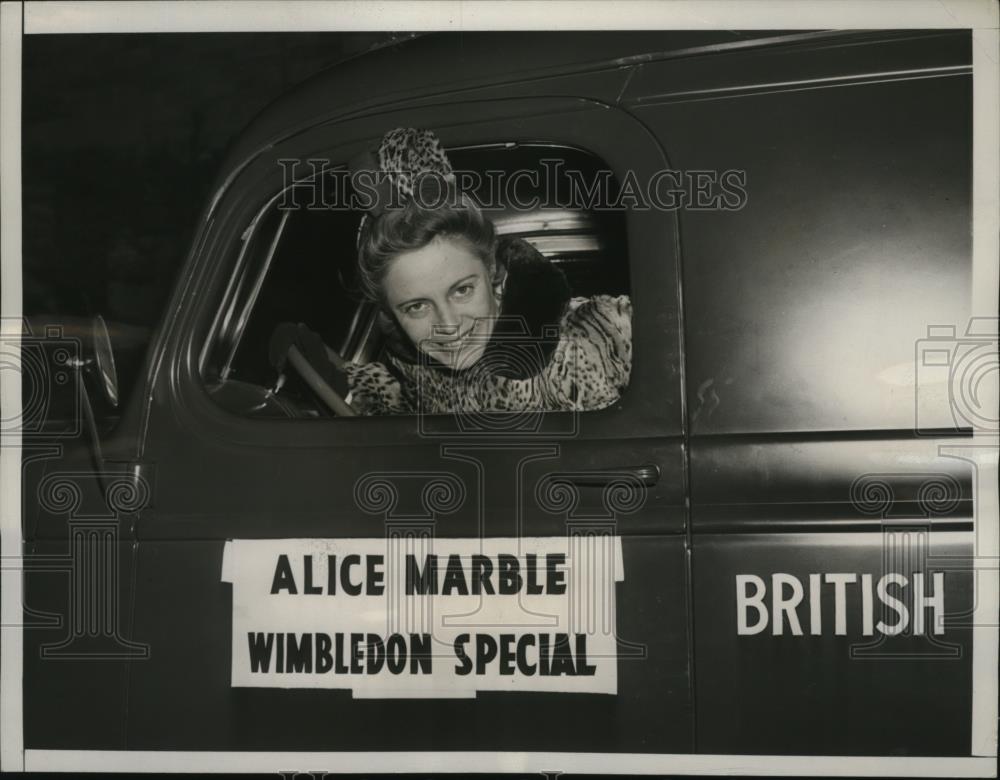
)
(25, 18)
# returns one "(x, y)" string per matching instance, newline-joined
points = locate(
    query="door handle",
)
(646, 475)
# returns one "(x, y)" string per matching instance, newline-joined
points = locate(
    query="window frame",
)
(607, 133)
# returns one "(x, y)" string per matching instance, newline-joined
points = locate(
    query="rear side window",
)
(298, 267)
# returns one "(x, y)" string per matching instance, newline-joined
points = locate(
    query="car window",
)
(298, 264)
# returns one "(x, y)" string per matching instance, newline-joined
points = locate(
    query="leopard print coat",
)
(587, 369)
(549, 352)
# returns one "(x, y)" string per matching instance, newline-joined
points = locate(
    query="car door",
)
(831, 504)
(618, 472)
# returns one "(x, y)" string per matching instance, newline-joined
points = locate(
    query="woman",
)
(474, 324)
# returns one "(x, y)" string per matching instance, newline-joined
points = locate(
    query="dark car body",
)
(772, 387)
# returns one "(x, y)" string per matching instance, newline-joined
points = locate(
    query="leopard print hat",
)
(404, 155)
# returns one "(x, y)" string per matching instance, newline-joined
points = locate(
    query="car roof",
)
(424, 65)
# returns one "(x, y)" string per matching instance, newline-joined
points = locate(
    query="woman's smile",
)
(442, 297)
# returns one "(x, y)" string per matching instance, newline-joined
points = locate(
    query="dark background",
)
(122, 137)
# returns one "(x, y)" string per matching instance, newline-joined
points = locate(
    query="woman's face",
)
(442, 297)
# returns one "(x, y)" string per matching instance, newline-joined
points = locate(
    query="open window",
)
(297, 263)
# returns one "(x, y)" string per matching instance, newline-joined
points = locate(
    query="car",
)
(778, 511)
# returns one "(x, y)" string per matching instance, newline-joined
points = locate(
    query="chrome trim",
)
(224, 314)
(543, 221)
(561, 245)
(364, 337)
(252, 299)
(228, 302)
(815, 83)
(351, 329)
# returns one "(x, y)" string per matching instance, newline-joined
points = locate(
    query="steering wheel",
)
(317, 384)
(303, 349)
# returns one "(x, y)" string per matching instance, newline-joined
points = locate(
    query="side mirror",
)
(104, 361)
